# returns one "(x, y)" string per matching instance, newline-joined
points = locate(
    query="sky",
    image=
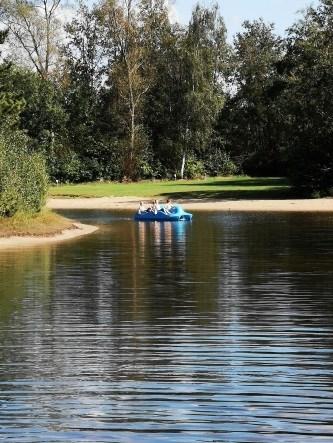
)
(281, 12)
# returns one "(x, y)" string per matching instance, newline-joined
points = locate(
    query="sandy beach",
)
(78, 230)
(132, 203)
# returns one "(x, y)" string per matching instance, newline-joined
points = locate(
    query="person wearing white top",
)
(156, 207)
(167, 207)
(142, 208)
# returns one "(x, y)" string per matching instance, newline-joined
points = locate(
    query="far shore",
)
(324, 205)
(77, 230)
(132, 203)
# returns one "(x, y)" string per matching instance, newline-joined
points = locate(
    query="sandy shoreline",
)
(68, 234)
(324, 205)
(311, 205)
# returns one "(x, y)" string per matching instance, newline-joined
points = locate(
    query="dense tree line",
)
(122, 93)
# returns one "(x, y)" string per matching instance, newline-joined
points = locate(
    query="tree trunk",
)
(183, 165)
(132, 156)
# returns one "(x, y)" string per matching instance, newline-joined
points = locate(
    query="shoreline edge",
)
(131, 203)
(78, 230)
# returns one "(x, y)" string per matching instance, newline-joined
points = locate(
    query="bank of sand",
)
(77, 230)
(132, 203)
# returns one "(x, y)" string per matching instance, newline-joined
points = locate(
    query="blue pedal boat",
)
(176, 214)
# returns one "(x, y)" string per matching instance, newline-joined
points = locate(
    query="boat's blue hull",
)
(176, 214)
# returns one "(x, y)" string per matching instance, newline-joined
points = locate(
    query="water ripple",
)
(157, 333)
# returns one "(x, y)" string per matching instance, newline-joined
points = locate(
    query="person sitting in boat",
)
(142, 208)
(156, 207)
(167, 207)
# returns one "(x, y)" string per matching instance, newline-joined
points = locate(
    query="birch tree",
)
(128, 75)
(34, 31)
(204, 55)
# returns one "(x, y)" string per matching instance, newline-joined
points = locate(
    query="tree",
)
(82, 78)
(34, 29)
(308, 98)
(129, 76)
(188, 93)
(251, 121)
(161, 102)
(10, 104)
(203, 63)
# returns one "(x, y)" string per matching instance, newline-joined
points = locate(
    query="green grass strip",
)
(240, 187)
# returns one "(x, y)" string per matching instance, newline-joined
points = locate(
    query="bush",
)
(194, 168)
(23, 178)
(218, 163)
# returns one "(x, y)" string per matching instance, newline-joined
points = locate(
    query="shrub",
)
(194, 168)
(218, 163)
(23, 178)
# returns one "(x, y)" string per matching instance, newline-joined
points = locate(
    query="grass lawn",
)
(44, 224)
(241, 187)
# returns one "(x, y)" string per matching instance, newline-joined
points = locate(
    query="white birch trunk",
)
(183, 166)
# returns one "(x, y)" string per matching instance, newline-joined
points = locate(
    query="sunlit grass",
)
(46, 223)
(209, 188)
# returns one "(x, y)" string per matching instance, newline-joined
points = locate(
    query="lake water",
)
(219, 330)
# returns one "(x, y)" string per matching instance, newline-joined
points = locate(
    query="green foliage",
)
(219, 163)
(83, 100)
(23, 178)
(34, 105)
(43, 117)
(135, 95)
(183, 103)
(10, 108)
(194, 168)
(10, 104)
(308, 98)
(251, 121)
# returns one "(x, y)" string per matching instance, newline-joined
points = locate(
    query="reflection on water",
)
(219, 330)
